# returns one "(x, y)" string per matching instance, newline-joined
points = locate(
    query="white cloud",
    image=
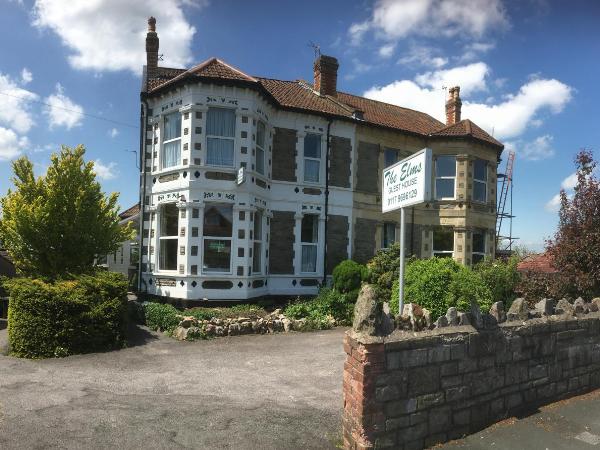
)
(15, 105)
(423, 56)
(105, 171)
(536, 150)
(473, 50)
(396, 19)
(553, 205)
(113, 133)
(11, 145)
(26, 76)
(62, 111)
(567, 185)
(387, 50)
(109, 35)
(507, 119)
(570, 182)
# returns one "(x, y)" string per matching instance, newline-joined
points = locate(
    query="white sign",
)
(407, 182)
(241, 175)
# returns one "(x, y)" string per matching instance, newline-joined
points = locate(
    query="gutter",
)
(330, 121)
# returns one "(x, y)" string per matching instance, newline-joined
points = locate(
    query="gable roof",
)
(130, 212)
(300, 96)
(537, 263)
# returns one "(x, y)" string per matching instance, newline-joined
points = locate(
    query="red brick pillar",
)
(363, 418)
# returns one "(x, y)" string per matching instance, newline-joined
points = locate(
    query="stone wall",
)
(337, 240)
(281, 244)
(364, 240)
(367, 168)
(339, 169)
(284, 154)
(415, 389)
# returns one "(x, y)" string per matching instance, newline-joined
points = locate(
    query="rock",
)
(287, 325)
(580, 306)
(427, 316)
(593, 306)
(475, 315)
(188, 321)
(489, 320)
(298, 325)
(518, 310)
(194, 333)
(219, 331)
(497, 311)
(441, 322)
(545, 306)
(368, 313)
(596, 301)
(246, 327)
(210, 329)
(535, 314)
(564, 307)
(388, 322)
(415, 315)
(276, 312)
(452, 316)
(463, 319)
(277, 325)
(180, 333)
(234, 329)
(218, 322)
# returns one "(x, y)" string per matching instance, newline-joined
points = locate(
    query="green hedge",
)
(348, 275)
(162, 316)
(328, 304)
(82, 315)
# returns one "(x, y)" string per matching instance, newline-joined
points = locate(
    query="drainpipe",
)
(326, 200)
(412, 231)
(143, 124)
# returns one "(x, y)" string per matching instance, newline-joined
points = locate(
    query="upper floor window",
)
(445, 177)
(171, 149)
(220, 136)
(312, 157)
(390, 157)
(389, 234)
(217, 232)
(309, 235)
(168, 237)
(443, 242)
(480, 180)
(260, 148)
(478, 246)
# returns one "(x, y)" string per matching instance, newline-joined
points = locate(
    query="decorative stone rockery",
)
(191, 328)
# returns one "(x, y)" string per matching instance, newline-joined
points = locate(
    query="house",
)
(125, 259)
(253, 186)
(541, 263)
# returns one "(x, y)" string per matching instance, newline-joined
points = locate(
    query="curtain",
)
(311, 170)
(220, 152)
(309, 258)
(220, 122)
(172, 128)
(171, 154)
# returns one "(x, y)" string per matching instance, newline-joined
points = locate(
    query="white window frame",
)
(206, 237)
(260, 148)
(315, 244)
(473, 252)
(257, 239)
(161, 237)
(445, 177)
(212, 136)
(309, 158)
(170, 141)
(435, 252)
(484, 182)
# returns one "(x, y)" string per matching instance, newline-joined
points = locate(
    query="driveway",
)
(248, 392)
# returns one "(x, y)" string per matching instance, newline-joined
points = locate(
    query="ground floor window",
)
(257, 245)
(168, 254)
(478, 246)
(134, 254)
(389, 234)
(217, 232)
(310, 239)
(168, 237)
(443, 242)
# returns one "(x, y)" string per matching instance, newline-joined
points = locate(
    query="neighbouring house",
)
(126, 258)
(253, 186)
(537, 263)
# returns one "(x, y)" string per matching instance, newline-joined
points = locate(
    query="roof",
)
(130, 212)
(539, 263)
(300, 96)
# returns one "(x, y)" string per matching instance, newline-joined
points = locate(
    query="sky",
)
(70, 74)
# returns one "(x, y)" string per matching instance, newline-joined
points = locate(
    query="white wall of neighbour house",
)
(192, 185)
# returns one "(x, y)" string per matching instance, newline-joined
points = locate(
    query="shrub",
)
(348, 275)
(81, 315)
(534, 286)
(161, 317)
(329, 304)
(501, 278)
(467, 287)
(383, 269)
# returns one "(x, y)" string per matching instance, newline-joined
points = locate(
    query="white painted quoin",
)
(206, 236)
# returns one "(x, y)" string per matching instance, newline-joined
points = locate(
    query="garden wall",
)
(413, 390)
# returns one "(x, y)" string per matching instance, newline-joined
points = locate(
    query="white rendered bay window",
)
(257, 244)
(217, 232)
(312, 157)
(220, 136)
(260, 148)
(171, 142)
(168, 237)
(309, 236)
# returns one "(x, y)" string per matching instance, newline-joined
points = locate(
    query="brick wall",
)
(284, 154)
(413, 390)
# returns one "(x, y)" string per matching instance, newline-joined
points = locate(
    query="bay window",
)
(168, 237)
(480, 181)
(309, 236)
(220, 136)
(257, 245)
(218, 227)
(312, 157)
(478, 246)
(389, 234)
(260, 148)
(445, 177)
(443, 242)
(171, 143)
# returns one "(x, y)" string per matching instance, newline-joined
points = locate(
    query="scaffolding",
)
(504, 210)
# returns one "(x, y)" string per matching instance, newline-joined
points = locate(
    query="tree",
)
(576, 245)
(58, 223)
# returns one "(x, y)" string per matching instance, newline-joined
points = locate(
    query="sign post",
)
(406, 183)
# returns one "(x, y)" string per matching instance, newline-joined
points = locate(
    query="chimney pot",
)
(151, 24)
(453, 106)
(325, 72)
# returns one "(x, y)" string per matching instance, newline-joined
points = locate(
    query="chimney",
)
(326, 75)
(453, 105)
(151, 49)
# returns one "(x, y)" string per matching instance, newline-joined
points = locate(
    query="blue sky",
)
(528, 71)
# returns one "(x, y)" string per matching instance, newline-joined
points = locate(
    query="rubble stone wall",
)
(415, 389)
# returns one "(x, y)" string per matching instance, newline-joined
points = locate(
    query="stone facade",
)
(364, 240)
(282, 243)
(340, 162)
(337, 241)
(284, 154)
(367, 168)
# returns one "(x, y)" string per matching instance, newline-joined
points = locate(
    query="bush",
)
(467, 287)
(348, 275)
(534, 286)
(501, 278)
(319, 312)
(161, 317)
(383, 270)
(66, 317)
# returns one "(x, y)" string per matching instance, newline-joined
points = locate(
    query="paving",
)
(246, 392)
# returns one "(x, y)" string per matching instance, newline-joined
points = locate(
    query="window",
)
(171, 148)
(168, 237)
(389, 234)
(218, 227)
(257, 247)
(134, 254)
(390, 156)
(220, 136)
(478, 246)
(445, 177)
(443, 242)
(312, 157)
(480, 181)
(309, 236)
(260, 148)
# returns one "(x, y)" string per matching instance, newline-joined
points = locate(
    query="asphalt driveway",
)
(248, 392)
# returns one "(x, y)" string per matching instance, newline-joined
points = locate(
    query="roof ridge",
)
(235, 69)
(388, 104)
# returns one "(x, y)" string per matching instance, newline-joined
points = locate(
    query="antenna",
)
(160, 57)
(316, 48)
